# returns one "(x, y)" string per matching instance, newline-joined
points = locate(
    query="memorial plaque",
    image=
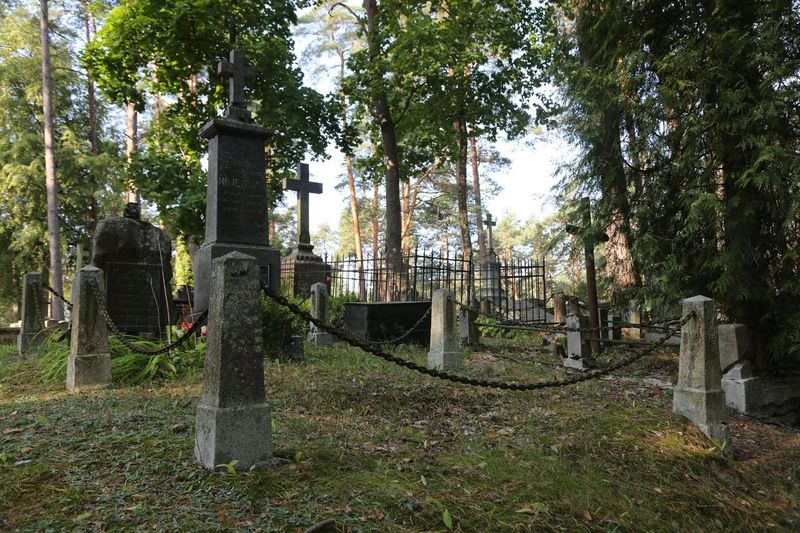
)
(136, 294)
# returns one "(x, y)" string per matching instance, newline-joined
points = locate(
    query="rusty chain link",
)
(376, 351)
(128, 344)
(652, 324)
(55, 293)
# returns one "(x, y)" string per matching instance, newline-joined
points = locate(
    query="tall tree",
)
(53, 231)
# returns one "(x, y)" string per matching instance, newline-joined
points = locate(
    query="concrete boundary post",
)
(89, 363)
(444, 352)
(699, 395)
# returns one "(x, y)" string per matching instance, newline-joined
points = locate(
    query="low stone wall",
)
(8, 335)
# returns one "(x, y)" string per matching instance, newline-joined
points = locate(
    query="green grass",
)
(378, 448)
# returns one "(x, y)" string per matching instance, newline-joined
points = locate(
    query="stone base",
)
(241, 433)
(744, 395)
(320, 338)
(763, 398)
(304, 268)
(444, 360)
(584, 363)
(655, 336)
(268, 259)
(88, 372)
(705, 409)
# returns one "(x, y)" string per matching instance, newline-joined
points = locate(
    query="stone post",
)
(579, 350)
(634, 317)
(468, 331)
(742, 388)
(614, 331)
(233, 418)
(444, 353)
(89, 363)
(559, 308)
(32, 315)
(698, 394)
(319, 310)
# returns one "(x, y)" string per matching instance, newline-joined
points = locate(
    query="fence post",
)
(699, 395)
(444, 352)
(89, 363)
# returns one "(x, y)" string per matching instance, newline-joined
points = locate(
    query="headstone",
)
(236, 202)
(698, 394)
(135, 257)
(469, 333)
(233, 418)
(559, 307)
(319, 310)
(302, 265)
(33, 311)
(579, 350)
(297, 348)
(89, 363)
(734, 344)
(444, 352)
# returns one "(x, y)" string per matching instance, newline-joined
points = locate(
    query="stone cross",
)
(444, 352)
(303, 187)
(237, 72)
(490, 223)
(89, 363)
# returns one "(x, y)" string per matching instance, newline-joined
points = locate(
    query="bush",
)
(278, 324)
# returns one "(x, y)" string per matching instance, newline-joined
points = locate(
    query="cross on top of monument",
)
(490, 223)
(303, 186)
(237, 72)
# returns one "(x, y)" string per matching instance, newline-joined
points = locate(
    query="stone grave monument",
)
(33, 312)
(579, 351)
(135, 257)
(236, 198)
(319, 310)
(490, 290)
(303, 266)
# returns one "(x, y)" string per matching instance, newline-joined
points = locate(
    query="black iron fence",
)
(508, 289)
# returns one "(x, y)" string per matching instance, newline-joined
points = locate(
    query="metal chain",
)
(654, 324)
(128, 344)
(57, 295)
(374, 350)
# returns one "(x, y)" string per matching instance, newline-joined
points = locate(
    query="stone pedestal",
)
(579, 350)
(469, 333)
(236, 205)
(319, 310)
(89, 363)
(490, 289)
(444, 352)
(32, 314)
(135, 257)
(698, 394)
(303, 268)
(233, 418)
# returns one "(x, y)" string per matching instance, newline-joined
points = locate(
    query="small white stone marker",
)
(319, 310)
(579, 350)
(89, 363)
(698, 394)
(444, 352)
(233, 418)
(32, 315)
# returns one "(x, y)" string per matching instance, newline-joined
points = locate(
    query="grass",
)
(378, 448)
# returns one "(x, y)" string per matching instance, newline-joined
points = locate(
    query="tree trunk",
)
(131, 143)
(391, 156)
(56, 308)
(461, 186)
(476, 189)
(88, 23)
(376, 246)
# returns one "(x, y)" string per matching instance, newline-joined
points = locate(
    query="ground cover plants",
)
(374, 447)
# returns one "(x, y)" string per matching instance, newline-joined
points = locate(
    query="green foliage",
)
(127, 368)
(278, 325)
(336, 308)
(488, 329)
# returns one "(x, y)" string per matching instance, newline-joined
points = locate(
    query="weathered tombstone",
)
(135, 257)
(469, 333)
(742, 390)
(444, 352)
(33, 311)
(579, 350)
(319, 310)
(89, 363)
(559, 307)
(698, 394)
(734, 344)
(236, 203)
(233, 418)
(302, 265)
(297, 348)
